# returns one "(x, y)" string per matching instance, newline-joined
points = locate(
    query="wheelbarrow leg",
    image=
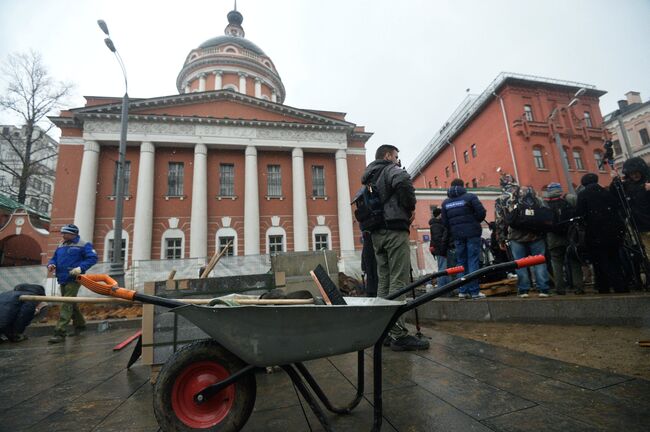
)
(321, 395)
(306, 394)
(377, 390)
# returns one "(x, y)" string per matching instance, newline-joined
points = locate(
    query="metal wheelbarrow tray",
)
(209, 385)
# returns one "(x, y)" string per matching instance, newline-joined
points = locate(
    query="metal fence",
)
(140, 272)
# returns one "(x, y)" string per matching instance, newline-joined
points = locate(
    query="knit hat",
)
(588, 179)
(554, 190)
(70, 229)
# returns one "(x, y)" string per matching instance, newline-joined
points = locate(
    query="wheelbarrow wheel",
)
(190, 370)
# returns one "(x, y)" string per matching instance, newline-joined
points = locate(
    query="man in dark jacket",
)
(462, 214)
(604, 233)
(636, 178)
(15, 315)
(439, 245)
(391, 240)
(73, 257)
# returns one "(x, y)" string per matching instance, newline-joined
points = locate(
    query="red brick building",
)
(512, 125)
(223, 160)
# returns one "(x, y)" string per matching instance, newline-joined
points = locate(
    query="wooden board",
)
(498, 290)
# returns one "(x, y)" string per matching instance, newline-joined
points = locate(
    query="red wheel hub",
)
(192, 380)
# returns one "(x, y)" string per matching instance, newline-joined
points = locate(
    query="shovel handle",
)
(455, 270)
(530, 261)
(105, 285)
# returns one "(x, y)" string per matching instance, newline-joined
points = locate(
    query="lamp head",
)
(580, 92)
(102, 25)
(573, 102)
(109, 44)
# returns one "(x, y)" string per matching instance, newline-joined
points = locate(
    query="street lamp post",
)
(117, 264)
(558, 141)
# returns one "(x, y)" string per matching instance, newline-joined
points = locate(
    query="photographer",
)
(636, 175)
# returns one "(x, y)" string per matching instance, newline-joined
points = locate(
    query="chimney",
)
(622, 104)
(633, 97)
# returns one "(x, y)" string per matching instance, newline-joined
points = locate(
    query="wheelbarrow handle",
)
(105, 285)
(448, 272)
(510, 265)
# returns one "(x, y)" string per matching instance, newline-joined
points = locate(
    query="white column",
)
(251, 205)
(202, 82)
(242, 82)
(218, 83)
(300, 229)
(274, 96)
(199, 217)
(343, 201)
(258, 88)
(84, 210)
(142, 229)
(187, 88)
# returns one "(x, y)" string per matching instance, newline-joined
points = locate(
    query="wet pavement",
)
(457, 385)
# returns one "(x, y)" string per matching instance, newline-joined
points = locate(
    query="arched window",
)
(538, 157)
(453, 166)
(276, 240)
(172, 244)
(225, 236)
(565, 155)
(577, 157)
(231, 50)
(598, 157)
(474, 151)
(321, 238)
(108, 247)
(446, 171)
(466, 156)
(230, 87)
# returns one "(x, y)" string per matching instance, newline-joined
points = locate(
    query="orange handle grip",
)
(105, 285)
(455, 270)
(530, 261)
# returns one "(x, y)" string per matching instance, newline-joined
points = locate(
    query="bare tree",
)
(31, 94)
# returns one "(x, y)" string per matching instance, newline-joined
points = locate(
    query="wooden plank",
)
(498, 290)
(147, 325)
(499, 283)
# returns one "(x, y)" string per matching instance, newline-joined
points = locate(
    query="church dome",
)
(231, 62)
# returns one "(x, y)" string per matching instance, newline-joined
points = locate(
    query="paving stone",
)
(414, 409)
(636, 390)
(537, 419)
(77, 416)
(473, 397)
(134, 415)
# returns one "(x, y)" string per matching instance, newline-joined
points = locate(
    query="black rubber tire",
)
(206, 350)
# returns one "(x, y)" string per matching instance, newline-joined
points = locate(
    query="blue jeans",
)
(523, 249)
(467, 255)
(442, 265)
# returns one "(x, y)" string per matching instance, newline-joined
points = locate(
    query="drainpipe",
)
(505, 121)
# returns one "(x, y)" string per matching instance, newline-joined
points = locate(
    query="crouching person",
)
(16, 315)
(73, 257)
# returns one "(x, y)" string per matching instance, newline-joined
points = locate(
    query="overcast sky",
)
(399, 68)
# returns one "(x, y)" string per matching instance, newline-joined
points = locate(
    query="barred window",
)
(111, 242)
(223, 242)
(318, 180)
(474, 151)
(321, 242)
(274, 181)
(173, 248)
(127, 178)
(227, 180)
(175, 179)
(466, 156)
(276, 243)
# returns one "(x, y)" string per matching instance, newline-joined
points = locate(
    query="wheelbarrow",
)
(209, 385)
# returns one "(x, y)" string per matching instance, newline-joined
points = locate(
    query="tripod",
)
(633, 244)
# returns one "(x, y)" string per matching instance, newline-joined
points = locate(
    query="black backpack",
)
(369, 210)
(529, 214)
(577, 237)
(562, 214)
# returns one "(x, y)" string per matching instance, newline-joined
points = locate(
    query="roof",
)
(244, 43)
(472, 105)
(12, 205)
(629, 109)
